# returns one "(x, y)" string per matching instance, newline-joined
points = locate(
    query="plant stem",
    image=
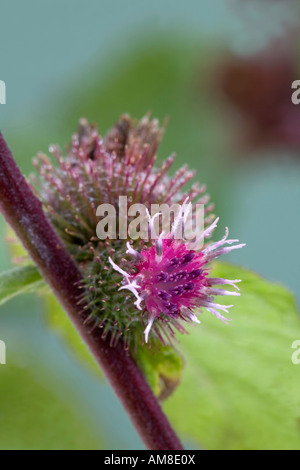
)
(23, 211)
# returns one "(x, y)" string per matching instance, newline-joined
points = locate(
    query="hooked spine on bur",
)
(165, 280)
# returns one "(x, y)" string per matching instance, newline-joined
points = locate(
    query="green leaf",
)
(163, 369)
(60, 323)
(240, 389)
(15, 248)
(18, 281)
(33, 417)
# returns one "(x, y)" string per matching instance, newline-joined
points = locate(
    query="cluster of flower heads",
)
(166, 280)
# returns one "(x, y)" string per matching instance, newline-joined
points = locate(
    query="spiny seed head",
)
(168, 278)
(171, 282)
(99, 170)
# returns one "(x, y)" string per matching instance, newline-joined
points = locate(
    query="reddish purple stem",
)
(23, 211)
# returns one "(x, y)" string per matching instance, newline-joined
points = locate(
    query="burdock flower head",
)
(171, 282)
(138, 290)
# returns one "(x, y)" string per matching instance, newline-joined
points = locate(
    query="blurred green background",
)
(62, 60)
